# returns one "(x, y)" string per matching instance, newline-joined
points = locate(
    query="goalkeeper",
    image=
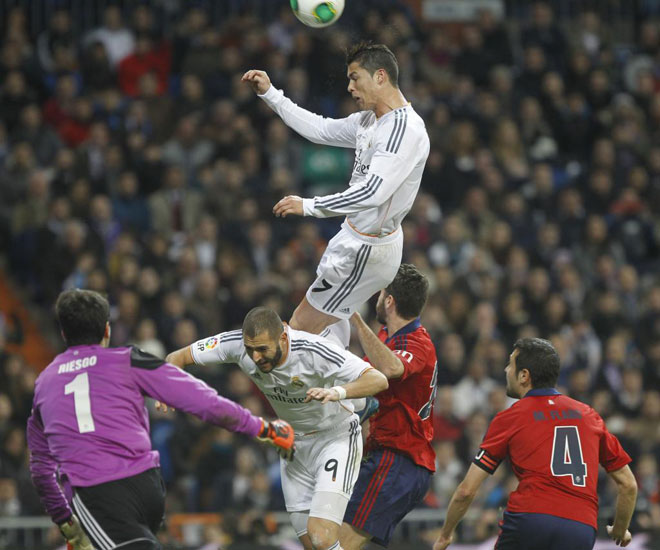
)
(89, 430)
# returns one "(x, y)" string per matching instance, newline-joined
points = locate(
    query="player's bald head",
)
(260, 320)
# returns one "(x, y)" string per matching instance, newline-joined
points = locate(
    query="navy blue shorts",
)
(388, 487)
(543, 532)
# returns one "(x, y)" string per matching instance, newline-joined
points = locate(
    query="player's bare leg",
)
(306, 317)
(306, 542)
(323, 534)
(352, 538)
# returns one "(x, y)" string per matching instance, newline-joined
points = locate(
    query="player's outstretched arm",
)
(370, 382)
(459, 504)
(180, 358)
(380, 356)
(338, 132)
(626, 487)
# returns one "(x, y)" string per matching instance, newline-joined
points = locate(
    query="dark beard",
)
(277, 357)
(380, 315)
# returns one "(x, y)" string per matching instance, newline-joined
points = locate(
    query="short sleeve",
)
(351, 370)
(226, 347)
(611, 454)
(414, 354)
(495, 446)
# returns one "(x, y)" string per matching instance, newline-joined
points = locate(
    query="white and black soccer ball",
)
(317, 13)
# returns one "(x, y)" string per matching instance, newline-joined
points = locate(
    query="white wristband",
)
(341, 391)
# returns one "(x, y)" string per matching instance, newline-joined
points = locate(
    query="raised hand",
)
(258, 80)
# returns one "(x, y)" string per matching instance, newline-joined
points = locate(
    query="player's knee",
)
(323, 537)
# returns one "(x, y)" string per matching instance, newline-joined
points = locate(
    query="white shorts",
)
(327, 461)
(353, 268)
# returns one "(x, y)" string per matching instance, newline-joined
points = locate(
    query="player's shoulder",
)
(141, 359)
(515, 410)
(584, 410)
(365, 119)
(399, 126)
(316, 347)
(413, 334)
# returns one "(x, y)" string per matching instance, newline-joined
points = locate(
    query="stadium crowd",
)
(134, 162)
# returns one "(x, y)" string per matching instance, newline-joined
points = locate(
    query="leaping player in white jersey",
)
(391, 147)
(306, 379)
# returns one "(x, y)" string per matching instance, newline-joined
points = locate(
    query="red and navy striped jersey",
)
(404, 419)
(555, 444)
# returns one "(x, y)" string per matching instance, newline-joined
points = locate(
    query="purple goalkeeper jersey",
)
(90, 422)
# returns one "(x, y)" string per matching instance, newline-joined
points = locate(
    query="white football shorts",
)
(352, 269)
(326, 461)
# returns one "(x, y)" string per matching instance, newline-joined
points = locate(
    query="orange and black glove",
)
(280, 434)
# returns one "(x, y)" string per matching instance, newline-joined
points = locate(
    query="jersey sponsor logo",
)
(297, 382)
(325, 285)
(211, 342)
(344, 310)
(283, 398)
(360, 168)
(77, 364)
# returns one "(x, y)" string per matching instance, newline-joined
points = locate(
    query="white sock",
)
(339, 333)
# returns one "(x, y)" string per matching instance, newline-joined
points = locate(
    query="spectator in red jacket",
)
(147, 58)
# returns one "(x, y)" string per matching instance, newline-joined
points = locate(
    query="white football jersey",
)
(390, 154)
(311, 362)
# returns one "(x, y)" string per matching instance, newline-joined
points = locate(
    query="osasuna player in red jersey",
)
(555, 444)
(399, 460)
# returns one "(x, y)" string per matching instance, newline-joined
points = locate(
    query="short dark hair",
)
(540, 358)
(82, 316)
(262, 319)
(410, 289)
(373, 57)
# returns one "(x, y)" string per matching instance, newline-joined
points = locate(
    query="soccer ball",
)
(317, 13)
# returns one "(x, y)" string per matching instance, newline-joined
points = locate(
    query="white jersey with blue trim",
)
(390, 154)
(311, 362)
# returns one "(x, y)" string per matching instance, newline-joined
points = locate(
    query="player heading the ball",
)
(391, 147)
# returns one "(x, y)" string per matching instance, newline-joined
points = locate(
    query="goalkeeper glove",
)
(73, 532)
(280, 434)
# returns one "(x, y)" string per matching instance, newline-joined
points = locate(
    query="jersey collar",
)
(542, 391)
(406, 329)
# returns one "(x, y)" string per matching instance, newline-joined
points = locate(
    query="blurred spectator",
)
(118, 40)
(134, 161)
